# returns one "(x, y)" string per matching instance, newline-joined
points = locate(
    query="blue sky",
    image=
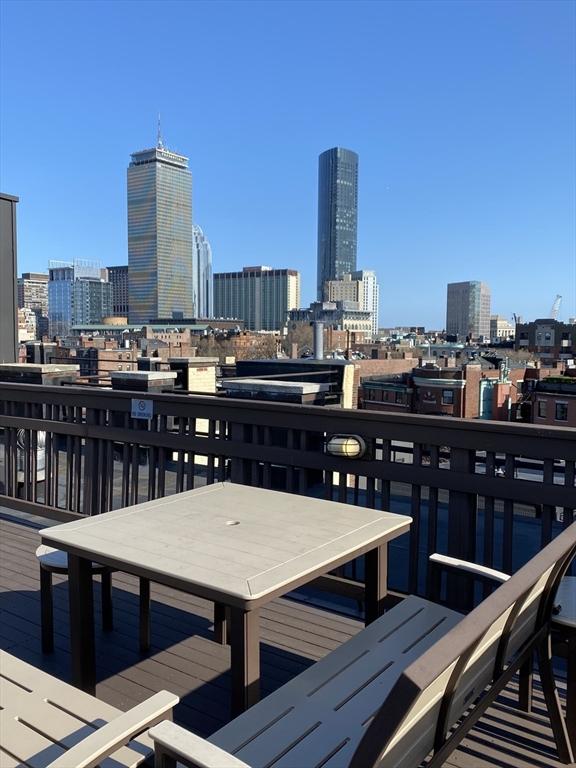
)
(463, 115)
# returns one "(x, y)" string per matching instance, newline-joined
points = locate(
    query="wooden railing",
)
(487, 491)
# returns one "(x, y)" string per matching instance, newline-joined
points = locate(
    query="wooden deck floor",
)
(185, 660)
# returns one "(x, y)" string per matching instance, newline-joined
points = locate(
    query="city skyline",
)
(467, 158)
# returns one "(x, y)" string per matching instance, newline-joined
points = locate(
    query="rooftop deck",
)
(185, 660)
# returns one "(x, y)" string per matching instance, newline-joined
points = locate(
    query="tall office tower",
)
(8, 293)
(77, 295)
(33, 295)
(159, 235)
(118, 279)
(261, 296)
(203, 282)
(468, 309)
(337, 215)
(360, 287)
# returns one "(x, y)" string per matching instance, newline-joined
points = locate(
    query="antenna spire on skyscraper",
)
(159, 142)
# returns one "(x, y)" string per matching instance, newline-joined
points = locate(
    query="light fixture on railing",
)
(346, 446)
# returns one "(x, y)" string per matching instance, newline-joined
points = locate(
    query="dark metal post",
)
(82, 623)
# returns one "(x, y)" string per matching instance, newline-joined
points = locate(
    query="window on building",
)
(561, 411)
(447, 397)
(542, 409)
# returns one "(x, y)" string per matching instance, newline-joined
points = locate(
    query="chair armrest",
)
(172, 741)
(103, 742)
(481, 571)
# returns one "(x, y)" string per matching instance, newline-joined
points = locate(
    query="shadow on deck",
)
(185, 660)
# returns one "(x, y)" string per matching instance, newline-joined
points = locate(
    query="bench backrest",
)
(434, 692)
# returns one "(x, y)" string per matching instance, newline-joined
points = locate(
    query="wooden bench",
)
(404, 690)
(46, 723)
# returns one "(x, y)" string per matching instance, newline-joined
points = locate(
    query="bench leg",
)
(552, 699)
(245, 653)
(106, 595)
(525, 685)
(163, 759)
(144, 616)
(46, 610)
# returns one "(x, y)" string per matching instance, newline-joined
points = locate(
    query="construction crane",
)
(556, 307)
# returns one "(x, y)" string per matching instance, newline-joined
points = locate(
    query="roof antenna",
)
(159, 142)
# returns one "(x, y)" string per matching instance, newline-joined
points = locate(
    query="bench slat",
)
(310, 716)
(25, 744)
(43, 716)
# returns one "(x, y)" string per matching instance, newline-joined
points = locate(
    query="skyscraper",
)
(78, 294)
(261, 296)
(203, 284)
(118, 278)
(159, 235)
(468, 309)
(337, 215)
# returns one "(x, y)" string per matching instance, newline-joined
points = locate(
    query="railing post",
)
(238, 467)
(92, 470)
(461, 531)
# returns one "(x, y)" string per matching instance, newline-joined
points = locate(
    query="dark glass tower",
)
(337, 214)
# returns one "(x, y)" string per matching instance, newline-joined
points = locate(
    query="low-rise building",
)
(340, 315)
(554, 401)
(548, 338)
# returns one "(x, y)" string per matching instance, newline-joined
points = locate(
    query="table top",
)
(228, 540)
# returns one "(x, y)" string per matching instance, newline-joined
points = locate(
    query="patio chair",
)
(52, 561)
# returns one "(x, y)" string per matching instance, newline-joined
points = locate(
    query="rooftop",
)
(489, 491)
(185, 660)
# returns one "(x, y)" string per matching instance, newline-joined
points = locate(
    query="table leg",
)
(144, 624)
(245, 652)
(376, 570)
(221, 624)
(82, 623)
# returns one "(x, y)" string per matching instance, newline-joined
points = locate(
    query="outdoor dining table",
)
(234, 545)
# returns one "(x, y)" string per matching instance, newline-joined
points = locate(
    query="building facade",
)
(360, 287)
(118, 279)
(500, 329)
(159, 235)
(202, 281)
(468, 310)
(337, 215)
(548, 338)
(77, 294)
(8, 293)
(260, 296)
(33, 295)
(339, 315)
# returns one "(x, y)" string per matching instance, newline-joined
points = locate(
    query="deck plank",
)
(185, 660)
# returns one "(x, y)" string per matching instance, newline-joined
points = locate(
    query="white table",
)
(237, 546)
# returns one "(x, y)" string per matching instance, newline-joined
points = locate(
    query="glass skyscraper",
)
(78, 294)
(468, 310)
(159, 236)
(337, 215)
(203, 283)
